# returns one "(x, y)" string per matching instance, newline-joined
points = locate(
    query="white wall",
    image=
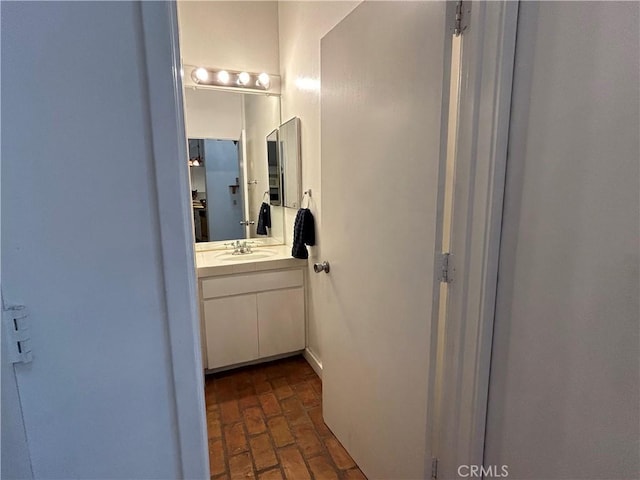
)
(81, 242)
(563, 397)
(235, 35)
(302, 25)
(213, 114)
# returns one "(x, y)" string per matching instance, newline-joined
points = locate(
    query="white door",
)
(382, 104)
(81, 242)
(15, 462)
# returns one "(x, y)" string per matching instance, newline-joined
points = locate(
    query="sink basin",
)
(246, 257)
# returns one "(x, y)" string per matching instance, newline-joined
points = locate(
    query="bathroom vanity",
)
(252, 306)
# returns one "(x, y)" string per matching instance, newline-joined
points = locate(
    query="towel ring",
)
(268, 196)
(307, 195)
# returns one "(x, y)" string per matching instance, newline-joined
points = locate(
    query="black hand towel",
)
(304, 231)
(264, 219)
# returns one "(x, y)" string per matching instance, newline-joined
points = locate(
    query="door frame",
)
(488, 54)
(173, 198)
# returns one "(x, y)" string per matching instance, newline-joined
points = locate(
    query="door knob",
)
(321, 267)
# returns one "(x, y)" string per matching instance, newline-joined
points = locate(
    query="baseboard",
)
(315, 363)
(254, 362)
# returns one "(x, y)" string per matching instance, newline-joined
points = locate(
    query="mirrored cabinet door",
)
(289, 136)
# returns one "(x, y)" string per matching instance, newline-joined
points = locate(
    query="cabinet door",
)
(231, 330)
(281, 321)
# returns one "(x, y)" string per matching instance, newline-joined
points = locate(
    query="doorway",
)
(216, 190)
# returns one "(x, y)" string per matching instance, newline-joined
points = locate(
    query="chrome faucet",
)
(240, 248)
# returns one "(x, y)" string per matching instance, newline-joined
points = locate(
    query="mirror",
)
(229, 164)
(275, 171)
(289, 136)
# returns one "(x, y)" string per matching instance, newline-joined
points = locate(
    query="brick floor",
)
(265, 422)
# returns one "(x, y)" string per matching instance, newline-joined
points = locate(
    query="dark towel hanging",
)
(304, 232)
(264, 219)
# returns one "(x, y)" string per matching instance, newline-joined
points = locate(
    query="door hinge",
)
(15, 320)
(445, 269)
(463, 10)
(434, 468)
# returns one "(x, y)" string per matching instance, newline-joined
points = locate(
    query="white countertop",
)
(222, 262)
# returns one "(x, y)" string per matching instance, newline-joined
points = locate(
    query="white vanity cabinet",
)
(248, 316)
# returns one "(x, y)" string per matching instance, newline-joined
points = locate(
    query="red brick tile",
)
(240, 466)
(235, 439)
(230, 412)
(354, 474)
(307, 440)
(262, 386)
(295, 378)
(214, 429)
(293, 464)
(287, 396)
(281, 388)
(270, 405)
(262, 452)
(339, 455)
(316, 417)
(210, 396)
(224, 384)
(248, 401)
(259, 375)
(253, 420)
(216, 457)
(276, 369)
(294, 411)
(274, 474)
(299, 368)
(280, 431)
(212, 407)
(316, 383)
(242, 380)
(307, 394)
(322, 468)
(226, 396)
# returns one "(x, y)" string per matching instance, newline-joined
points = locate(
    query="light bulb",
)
(263, 79)
(202, 74)
(223, 76)
(244, 78)
(196, 163)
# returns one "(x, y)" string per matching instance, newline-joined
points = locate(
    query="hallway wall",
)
(563, 399)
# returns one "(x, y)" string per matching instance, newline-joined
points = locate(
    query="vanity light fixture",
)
(230, 78)
(244, 78)
(223, 77)
(202, 74)
(263, 80)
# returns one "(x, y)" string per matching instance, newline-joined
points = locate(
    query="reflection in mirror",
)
(215, 169)
(229, 165)
(273, 159)
(289, 135)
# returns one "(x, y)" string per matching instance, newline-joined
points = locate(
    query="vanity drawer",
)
(253, 282)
